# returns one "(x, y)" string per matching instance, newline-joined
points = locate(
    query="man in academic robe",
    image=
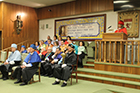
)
(23, 49)
(121, 28)
(13, 60)
(63, 72)
(49, 66)
(28, 68)
(47, 59)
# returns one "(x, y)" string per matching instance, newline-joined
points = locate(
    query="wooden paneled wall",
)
(1, 16)
(75, 8)
(30, 24)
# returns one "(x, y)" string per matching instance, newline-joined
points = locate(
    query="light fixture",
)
(127, 6)
(21, 14)
(123, 1)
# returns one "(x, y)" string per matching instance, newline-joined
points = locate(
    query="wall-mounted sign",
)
(81, 28)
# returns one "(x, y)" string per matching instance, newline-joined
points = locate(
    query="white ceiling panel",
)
(37, 3)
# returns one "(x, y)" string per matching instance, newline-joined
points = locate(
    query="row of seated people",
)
(27, 69)
(42, 48)
(30, 65)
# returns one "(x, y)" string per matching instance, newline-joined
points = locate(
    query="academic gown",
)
(65, 72)
(49, 67)
(25, 51)
(28, 72)
(43, 65)
(124, 30)
(43, 54)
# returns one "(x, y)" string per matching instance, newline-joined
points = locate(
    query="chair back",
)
(9, 53)
(90, 52)
(86, 43)
(92, 44)
(77, 43)
(3, 56)
(74, 67)
(24, 55)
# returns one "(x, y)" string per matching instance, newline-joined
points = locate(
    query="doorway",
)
(0, 40)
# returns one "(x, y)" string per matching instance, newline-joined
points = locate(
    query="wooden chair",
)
(23, 56)
(74, 70)
(39, 80)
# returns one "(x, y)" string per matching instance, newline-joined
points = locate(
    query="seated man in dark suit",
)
(63, 72)
(28, 68)
(13, 60)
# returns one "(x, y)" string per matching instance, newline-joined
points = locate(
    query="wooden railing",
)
(120, 51)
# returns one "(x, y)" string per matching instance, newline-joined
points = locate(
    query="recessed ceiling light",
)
(127, 6)
(120, 2)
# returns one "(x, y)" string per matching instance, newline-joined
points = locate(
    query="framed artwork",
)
(131, 22)
(47, 26)
(81, 28)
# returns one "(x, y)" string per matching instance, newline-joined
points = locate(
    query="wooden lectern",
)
(110, 38)
(114, 36)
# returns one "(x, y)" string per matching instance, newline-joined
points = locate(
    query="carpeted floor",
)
(45, 86)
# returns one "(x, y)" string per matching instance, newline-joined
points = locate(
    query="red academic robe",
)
(124, 30)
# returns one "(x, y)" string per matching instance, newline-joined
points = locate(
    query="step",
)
(123, 76)
(103, 91)
(119, 82)
(90, 61)
(89, 66)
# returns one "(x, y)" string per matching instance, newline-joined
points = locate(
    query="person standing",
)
(121, 28)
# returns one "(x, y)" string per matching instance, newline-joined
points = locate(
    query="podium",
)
(114, 41)
(114, 36)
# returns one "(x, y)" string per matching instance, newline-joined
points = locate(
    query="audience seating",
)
(86, 43)
(77, 43)
(9, 53)
(32, 80)
(24, 55)
(91, 50)
(74, 70)
(92, 44)
(3, 56)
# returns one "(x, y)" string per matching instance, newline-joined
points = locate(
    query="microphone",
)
(109, 27)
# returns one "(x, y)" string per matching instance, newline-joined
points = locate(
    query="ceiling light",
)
(116, 2)
(127, 6)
